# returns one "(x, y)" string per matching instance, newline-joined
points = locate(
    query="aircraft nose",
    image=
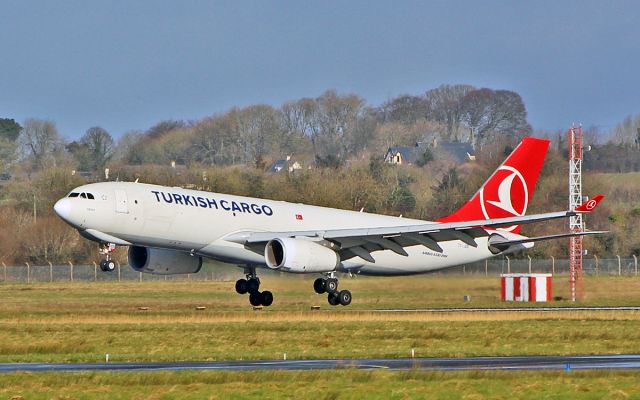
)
(63, 208)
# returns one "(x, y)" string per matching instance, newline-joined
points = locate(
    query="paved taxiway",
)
(629, 361)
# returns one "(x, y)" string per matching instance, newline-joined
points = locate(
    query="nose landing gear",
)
(251, 285)
(107, 265)
(330, 285)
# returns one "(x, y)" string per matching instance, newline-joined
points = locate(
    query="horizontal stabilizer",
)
(500, 241)
(590, 205)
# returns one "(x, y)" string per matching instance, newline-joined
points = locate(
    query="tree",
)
(259, 131)
(443, 105)
(448, 194)
(339, 126)
(164, 127)
(404, 109)
(9, 132)
(129, 147)
(501, 112)
(627, 132)
(401, 199)
(93, 150)
(425, 157)
(9, 129)
(215, 140)
(40, 140)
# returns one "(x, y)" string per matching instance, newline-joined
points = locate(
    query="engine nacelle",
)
(300, 255)
(499, 244)
(162, 261)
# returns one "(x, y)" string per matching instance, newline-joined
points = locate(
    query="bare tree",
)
(444, 106)
(128, 147)
(501, 112)
(296, 122)
(216, 140)
(337, 127)
(40, 140)
(627, 132)
(259, 130)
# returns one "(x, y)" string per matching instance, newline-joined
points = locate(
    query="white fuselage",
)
(198, 222)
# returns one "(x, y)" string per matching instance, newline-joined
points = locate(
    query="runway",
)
(566, 363)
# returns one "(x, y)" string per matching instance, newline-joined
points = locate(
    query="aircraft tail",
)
(509, 189)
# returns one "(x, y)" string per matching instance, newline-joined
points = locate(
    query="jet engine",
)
(300, 255)
(163, 262)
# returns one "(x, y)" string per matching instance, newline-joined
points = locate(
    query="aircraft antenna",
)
(576, 223)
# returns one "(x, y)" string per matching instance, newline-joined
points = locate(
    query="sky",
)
(127, 65)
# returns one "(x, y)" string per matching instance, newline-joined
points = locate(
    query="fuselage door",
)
(121, 202)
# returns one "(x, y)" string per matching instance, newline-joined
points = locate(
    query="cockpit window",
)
(83, 195)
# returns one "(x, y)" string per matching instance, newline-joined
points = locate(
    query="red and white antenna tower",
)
(575, 223)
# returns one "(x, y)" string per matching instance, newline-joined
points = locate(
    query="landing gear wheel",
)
(319, 285)
(344, 297)
(331, 285)
(255, 298)
(103, 265)
(333, 299)
(253, 285)
(110, 266)
(242, 286)
(267, 298)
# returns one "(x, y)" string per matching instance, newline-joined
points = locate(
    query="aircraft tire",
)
(333, 299)
(253, 285)
(110, 266)
(344, 297)
(103, 266)
(319, 285)
(241, 286)
(331, 285)
(267, 298)
(255, 299)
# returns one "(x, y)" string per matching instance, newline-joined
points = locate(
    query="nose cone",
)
(63, 208)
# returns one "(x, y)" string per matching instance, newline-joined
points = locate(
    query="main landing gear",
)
(330, 285)
(107, 265)
(251, 285)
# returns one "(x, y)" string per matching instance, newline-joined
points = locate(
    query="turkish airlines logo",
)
(505, 195)
(591, 204)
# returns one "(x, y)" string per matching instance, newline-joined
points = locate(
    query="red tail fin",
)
(508, 191)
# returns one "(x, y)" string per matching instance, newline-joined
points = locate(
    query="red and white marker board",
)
(525, 287)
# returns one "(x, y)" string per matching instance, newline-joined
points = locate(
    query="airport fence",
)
(593, 266)
(70, 272)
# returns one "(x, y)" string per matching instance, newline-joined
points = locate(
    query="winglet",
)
(590, 205)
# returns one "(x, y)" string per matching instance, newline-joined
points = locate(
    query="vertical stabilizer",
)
(508, 191)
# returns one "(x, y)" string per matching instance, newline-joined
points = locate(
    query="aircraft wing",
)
(362, 242)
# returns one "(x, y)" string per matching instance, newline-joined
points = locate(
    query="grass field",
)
(337, 384)
(63, 322)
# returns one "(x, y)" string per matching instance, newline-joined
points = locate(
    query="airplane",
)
(169, 230)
